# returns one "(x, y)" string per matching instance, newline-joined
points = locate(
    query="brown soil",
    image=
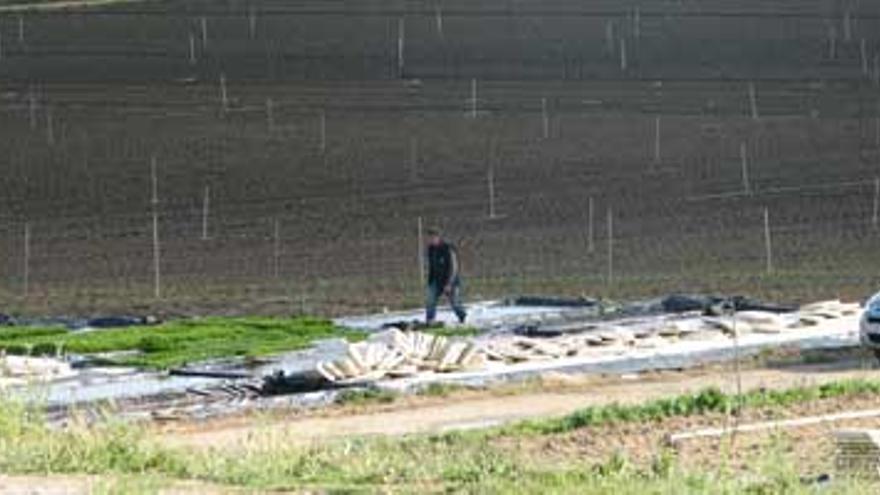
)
(473, 409)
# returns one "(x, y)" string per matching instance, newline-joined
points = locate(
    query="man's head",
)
(435, 237)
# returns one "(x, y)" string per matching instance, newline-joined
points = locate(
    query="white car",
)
(869, 327)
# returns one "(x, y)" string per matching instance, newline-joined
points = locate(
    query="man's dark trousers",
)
(435, 290)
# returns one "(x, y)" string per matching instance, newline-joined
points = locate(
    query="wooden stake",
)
(204, 32)
(157, 256)
(421, 236)
(1, 46)
(753, 100)
(276, 250)
(875, 215)
(252, 23)
(657, 156)
(192, 49)
(270, 114)
(21, 29)
(545, 118)
(863, 49)
(473, 98)
(401, 37)
(747, 188)
(591, 247)
(767, 241)
(223, 96)
(206, 212)
(610, 246)
(27, 259)
(623, 61)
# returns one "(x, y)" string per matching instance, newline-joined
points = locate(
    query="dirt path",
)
(87, 485)
(459, 413)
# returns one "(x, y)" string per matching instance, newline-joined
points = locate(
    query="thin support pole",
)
(413, 159)
(192, 49)
(224, 97)
(50, 128)
(657, 156)
(877, 131)
(490, 179)
(401, 40)
(438, 20)
(753, 101)
(473, 98)
(26, 269)
(276, 249)
(421, 240)
(322, 143)
(832, 42)
(863, 50)
(609, 37)
(206, 212)
(623, 61)
(875, 74)
(875, 217)
(610, 246)
(744, 160)
(591, 246)
(252, 23)
(32, 108)
(204, 23)
(157, 256)
(270, 114)
(21, 29)
(767, 241)
(545, 119)
(637, 23)
(847, 26)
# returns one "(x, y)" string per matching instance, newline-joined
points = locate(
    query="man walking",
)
(443, 277)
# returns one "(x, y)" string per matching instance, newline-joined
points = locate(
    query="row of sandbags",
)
(396, 354)
(657, 334)
(399, 354)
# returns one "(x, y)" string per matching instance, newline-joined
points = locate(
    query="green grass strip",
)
(708, 401)
(180, 342)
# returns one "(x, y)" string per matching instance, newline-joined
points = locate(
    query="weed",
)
(438, 389)
(364, 396)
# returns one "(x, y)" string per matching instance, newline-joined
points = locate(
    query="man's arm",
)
(453, 268)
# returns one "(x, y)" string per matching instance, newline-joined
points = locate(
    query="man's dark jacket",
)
(441, 259)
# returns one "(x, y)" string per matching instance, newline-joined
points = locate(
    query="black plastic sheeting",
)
(554, 302)
(78, 323)
(674, 303)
